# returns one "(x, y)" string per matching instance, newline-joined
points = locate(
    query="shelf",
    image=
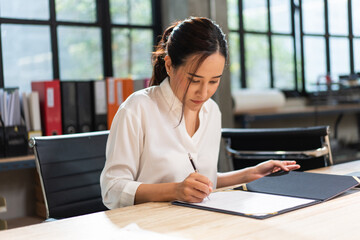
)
(20, 162)
(23, 221)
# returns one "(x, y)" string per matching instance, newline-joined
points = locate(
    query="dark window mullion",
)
(156, 21)
(54, 40)
(292, 6)
(302, 49)
(269, 34)
(243, 83)
(104, 20)
(351, 37)
(327, 37)
(1, 61)
(129, 37)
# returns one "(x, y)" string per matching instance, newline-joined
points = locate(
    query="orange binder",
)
(50, 106)
(118, 89)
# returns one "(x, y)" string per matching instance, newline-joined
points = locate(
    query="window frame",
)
(299, 58)
(103, 21)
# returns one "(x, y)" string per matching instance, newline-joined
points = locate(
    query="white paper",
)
(251, 203)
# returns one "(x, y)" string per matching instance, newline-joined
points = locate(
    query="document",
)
(258, 205)
(276, 193)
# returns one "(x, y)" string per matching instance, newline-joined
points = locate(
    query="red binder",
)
(118, 89)
(50, 106)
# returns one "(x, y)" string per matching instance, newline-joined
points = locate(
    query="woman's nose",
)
(202, 90)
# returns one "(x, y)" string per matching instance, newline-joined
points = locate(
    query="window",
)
(261, 44)
(132, 34)
(291, 44)
(76, 40)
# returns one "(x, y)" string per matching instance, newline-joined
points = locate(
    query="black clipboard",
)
(312, 188)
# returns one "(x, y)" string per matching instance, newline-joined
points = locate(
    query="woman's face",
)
(204, 82)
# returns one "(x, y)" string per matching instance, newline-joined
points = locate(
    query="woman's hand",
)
(194, 188)
(271, 166)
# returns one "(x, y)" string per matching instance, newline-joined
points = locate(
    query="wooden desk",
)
(334, 219)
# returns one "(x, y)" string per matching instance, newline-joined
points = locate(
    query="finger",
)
(201, 187)
(293, 167)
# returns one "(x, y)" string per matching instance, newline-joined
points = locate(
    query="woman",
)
(157, 130)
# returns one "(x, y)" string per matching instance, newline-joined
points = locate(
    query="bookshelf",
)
(20, 162)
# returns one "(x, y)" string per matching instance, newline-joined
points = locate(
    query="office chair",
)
(309, 146)
(69, 167)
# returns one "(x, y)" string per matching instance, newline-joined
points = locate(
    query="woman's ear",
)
(168, 65)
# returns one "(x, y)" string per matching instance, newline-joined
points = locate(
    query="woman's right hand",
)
(194, 188)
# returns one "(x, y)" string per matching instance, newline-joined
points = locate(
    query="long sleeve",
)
(122, 160)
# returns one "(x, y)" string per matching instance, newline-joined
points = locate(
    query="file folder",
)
(100, 105)
(50, 106)
(293, 190)
(69, 107)
(118, 89)
(25, 110)
(84, 101)
(34, 111)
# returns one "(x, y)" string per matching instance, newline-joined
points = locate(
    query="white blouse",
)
(147, 144)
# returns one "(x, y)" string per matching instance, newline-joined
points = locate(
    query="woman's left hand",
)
(271, 166)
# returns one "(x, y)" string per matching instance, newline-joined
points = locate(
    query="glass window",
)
(142, 46)
(356, 17)
(120, 52)
(338, 17)
(257, 61)
(255, 15)
(80, 53)
(280, 16)
(339, 56)
(283, 62)
(233, 14)
(26, 53)
(25, 9)
(135, 12)
(357, 55)
(234, 46)
(314, 60)
(132, 52)
(313, 16)
(76, 11)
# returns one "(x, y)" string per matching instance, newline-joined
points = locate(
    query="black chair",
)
(69, 167)
(309, 146)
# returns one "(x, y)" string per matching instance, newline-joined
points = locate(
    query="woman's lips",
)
(197, 101)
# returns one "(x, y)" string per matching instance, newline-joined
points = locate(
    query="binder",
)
(25, 110)
(34, 111)
(140, 84)
(293, 190)
(50, 106)
(84, 106)
(69, 107)
(118, 89)
(100, 105)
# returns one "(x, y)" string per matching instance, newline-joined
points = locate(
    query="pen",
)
(193, 165)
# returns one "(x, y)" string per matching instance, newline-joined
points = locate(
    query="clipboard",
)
(276, 194)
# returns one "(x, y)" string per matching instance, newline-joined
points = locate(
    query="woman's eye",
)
(214, 82)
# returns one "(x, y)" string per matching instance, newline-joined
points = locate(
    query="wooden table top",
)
(334, 219)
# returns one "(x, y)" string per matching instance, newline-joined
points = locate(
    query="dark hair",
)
(195, 35)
